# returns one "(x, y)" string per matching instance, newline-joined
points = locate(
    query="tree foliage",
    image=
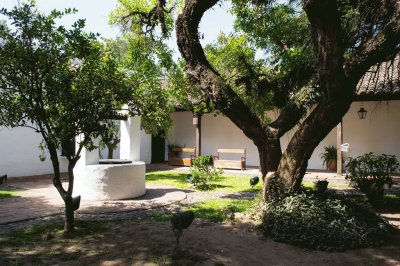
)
(323, 223)
(317, 51)
(63, 83)
(235, 59)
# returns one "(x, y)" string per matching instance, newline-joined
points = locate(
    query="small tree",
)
(61, 83)
(370, 173)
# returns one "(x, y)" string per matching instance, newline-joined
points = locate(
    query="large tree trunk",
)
(337, 82)
(336, 90)
(225, 99)
(270, 153)
(295, 158)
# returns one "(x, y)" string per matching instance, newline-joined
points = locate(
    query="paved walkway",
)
(39, 198)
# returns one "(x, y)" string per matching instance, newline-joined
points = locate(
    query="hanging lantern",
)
(362, 113)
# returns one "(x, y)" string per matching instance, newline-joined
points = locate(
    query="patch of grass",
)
(8, 193)
(390, 201)
(168, 178)
(44, 244)
(223, 184)
(330, 185)
(161, 259)
(31, 235)
(218, 210)
(175, 257)
(215, 210)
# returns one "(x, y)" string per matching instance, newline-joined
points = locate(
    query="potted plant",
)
(329, 158)
(321, 186)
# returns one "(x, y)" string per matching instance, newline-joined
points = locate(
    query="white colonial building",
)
(378, 94)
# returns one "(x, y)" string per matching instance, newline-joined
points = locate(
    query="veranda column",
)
(198, 135)
(130, 139)
(339, 142)
(87, 157)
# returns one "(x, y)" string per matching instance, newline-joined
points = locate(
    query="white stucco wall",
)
(19, 153)
(378, 133)
(145, 147)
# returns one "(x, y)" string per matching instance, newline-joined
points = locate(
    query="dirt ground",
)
(148, 242)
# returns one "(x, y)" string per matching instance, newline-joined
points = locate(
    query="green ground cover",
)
(84, 230)
(390, 201)
(215, 210)
(224, 184)
(5, 193)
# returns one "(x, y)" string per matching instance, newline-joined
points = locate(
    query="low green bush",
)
(370, 173)
(203, 172)
(323, 223)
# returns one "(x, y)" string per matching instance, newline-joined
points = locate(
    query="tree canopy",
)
(317, 51)
(64, 83)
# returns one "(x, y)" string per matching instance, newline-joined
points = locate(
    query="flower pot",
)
(332, 165)
(321, 186)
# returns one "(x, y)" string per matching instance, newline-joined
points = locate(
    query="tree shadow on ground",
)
(146, 241)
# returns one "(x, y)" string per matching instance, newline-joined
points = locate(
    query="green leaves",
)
(280, 29)
(323, 223)
(203, 172)
(234, 58)
(150, 17)
(57, 81)
(370, 173)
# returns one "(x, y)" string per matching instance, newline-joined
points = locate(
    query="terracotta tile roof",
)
(381, 82)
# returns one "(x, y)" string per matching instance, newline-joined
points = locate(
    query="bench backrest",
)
(232, 151)
(238, 151)
(192, 150)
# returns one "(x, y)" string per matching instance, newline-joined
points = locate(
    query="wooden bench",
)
(174, 159)
(233, 164)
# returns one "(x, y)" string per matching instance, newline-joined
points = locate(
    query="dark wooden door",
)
(157, 148)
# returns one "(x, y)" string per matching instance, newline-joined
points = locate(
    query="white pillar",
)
(87, 157)
(130, 139)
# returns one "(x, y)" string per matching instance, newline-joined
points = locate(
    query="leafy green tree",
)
(315, 48)
(62, 83)
(144, 68)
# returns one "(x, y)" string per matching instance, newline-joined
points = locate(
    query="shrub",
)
(370, 173)
(203, 172)
(323, 223)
